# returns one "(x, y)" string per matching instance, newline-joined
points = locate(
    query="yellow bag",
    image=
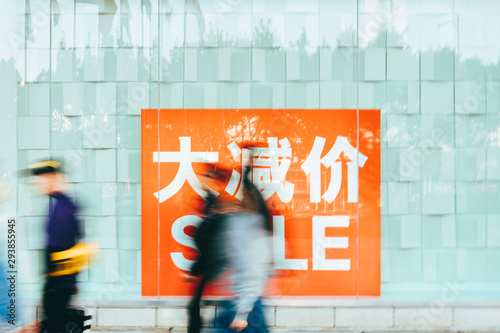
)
(73, 260)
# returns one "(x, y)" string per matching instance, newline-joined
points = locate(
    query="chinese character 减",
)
(269, 168)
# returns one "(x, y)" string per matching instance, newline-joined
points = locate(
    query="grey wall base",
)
(354, 316)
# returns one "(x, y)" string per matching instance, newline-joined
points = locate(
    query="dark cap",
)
(44, 167)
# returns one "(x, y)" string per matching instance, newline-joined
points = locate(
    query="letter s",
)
(183, 239)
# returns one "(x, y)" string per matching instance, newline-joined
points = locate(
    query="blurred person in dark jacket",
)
(237, 235)
(62, 232)
(211, 260)
(247, 238)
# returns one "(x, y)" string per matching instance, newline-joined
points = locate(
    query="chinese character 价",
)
(312, 167)
(185, 173)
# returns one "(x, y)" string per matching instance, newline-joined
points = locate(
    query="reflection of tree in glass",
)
(264, 35)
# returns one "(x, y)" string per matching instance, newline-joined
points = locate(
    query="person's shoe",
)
(238, 324)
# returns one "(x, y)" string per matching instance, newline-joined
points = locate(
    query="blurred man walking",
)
(62, 232)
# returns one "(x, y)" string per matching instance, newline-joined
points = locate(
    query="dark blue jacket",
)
(62, 233)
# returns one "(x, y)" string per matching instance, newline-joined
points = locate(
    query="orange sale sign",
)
(317, 170)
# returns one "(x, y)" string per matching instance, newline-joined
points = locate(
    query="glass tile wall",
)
(75, 75)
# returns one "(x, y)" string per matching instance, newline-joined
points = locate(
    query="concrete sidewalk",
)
(292, 330)
(361, 330)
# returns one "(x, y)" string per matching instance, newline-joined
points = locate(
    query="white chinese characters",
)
(186, 173)
(269, 168)
(312, 167)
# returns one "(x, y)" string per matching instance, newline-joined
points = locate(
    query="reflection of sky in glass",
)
(470, 27)
(8, 26)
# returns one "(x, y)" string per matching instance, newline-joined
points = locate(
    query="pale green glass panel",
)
(100, 131)
(267, 95)
(470, 97)
(403, 131)
(128, 227)
(240, 63)
(493, 230)
(22, 100)
(471, 231)
(62, 66)
(439, 265)
(99, 199)
(403, 164)
(437, 66)
(438, 197)
(39, 99)
(129, 165)
(371, 95)
(470, 69)
(411, 229)
(373, 64)
(129, 267)
(93, 64)
(66, 133)
(431, 231)
(471, 197)
(73, 99)
(438, 130)
(127, 65)
(402, 65)
(403, 97)
(493, 197)
(343, 64)
(474, 267)
(64, 20)
(493, 163)
(398, 198)
(330, 94)
(399, 270)
(32, 269)
(128, 132)
(128, 199)
(492, 129)
(492, 96)
(233, 95)
(172, 64)
(471, 164)
(275, 65)
(171, 95)
(393, 232)
(438, 164)
(105, 165)
(30, 204)
(206, 63)
(36, 227)
(105, 268)
(33, 133)
(437, 97)
(199, 95)
(102, 231)
(493, 269)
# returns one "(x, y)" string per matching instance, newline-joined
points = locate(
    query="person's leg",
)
(49, 313)
(245, 288)
(194, 318)
(225, 314)
(237, 241)
(256, 320)
(55, 304)
(64, 296)
(251, 250)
